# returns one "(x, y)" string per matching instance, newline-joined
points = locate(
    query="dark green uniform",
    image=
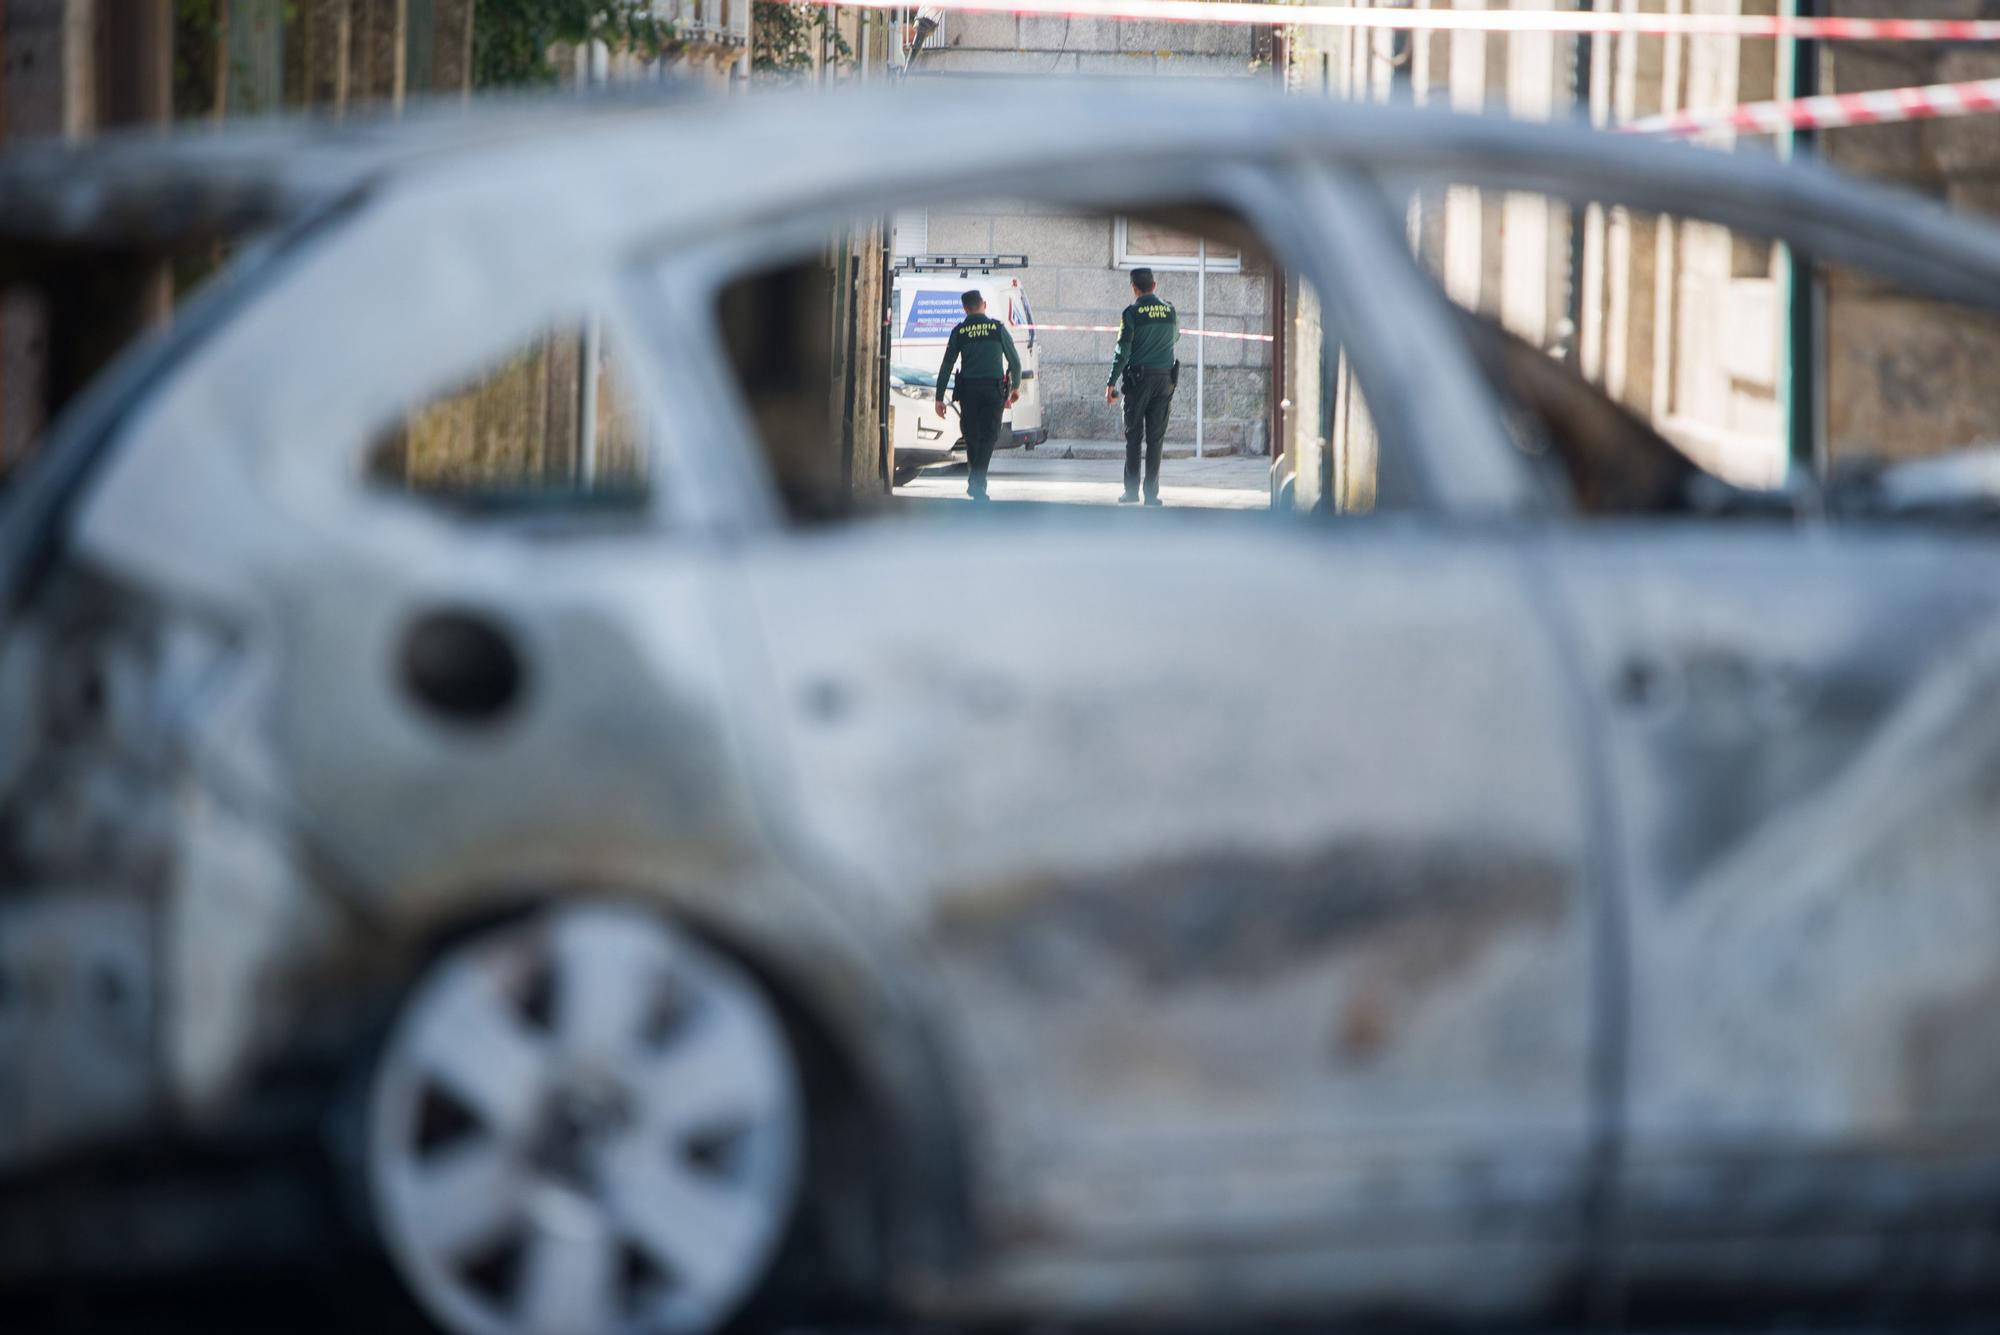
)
(1144, 361)
(988, 367)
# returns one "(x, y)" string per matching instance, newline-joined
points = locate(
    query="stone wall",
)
(1005, 44)
(1684, 323)
(1680, 322)
(69, 69)
(1071, 279)
(1072, 275)
(1906, 376)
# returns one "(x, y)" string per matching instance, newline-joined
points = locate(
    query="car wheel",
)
(585, 1121)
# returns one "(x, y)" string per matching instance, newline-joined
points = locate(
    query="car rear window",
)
(551, 429)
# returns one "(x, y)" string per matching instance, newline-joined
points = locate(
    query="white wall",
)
(1072, 275)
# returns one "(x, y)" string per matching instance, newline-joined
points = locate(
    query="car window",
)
(1024, 314)
(1251, 403)
(553, 427)
(1656, 363)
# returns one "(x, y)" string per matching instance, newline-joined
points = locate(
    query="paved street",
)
(1227, 483)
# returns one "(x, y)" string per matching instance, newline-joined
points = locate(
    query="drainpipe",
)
(1200, 344)
(1583, 52)
(1402, 59)
(1805, 292)
(742, 76)
(590, 347)
(884, 446)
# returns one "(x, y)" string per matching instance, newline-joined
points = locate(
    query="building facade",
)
(1747, 362)
(1079, 266)
(74, 67)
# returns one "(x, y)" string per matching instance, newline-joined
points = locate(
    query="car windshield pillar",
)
(1429, 401)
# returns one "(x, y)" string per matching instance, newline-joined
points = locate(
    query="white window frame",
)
(1123, 258)
(913, 232)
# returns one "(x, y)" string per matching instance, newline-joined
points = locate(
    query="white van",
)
(926, 307)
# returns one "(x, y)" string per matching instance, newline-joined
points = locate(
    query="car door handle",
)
(1770, 692)
(1644, 683)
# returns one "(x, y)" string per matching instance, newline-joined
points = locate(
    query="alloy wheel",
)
(583, 1124)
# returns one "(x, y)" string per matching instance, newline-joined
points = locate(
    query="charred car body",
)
(645, 898)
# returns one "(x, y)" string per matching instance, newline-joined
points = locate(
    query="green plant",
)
(511, 39)
(197, 37)
(783, 34)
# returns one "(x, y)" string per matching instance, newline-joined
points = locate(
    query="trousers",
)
(1149, 397)
(980, 406)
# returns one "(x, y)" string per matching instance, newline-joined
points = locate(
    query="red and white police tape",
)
(1112, 329)
(1832, 112)
(1568, 21)
(1816, 113)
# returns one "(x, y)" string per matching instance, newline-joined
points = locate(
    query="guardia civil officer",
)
(1144, 367)
(986, 388)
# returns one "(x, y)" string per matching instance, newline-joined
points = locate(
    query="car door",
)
(1797, 734)
(468, 659)
(1802, 739)
(1252, 862)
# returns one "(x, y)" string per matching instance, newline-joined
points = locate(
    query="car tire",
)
(586, 1120)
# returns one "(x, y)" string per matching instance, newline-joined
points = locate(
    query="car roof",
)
(589, 185)
(206, 180)
(656, 155)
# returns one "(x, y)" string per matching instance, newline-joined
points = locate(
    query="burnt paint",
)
(1237, 915)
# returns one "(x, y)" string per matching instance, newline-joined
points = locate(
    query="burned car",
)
(1576, 880)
